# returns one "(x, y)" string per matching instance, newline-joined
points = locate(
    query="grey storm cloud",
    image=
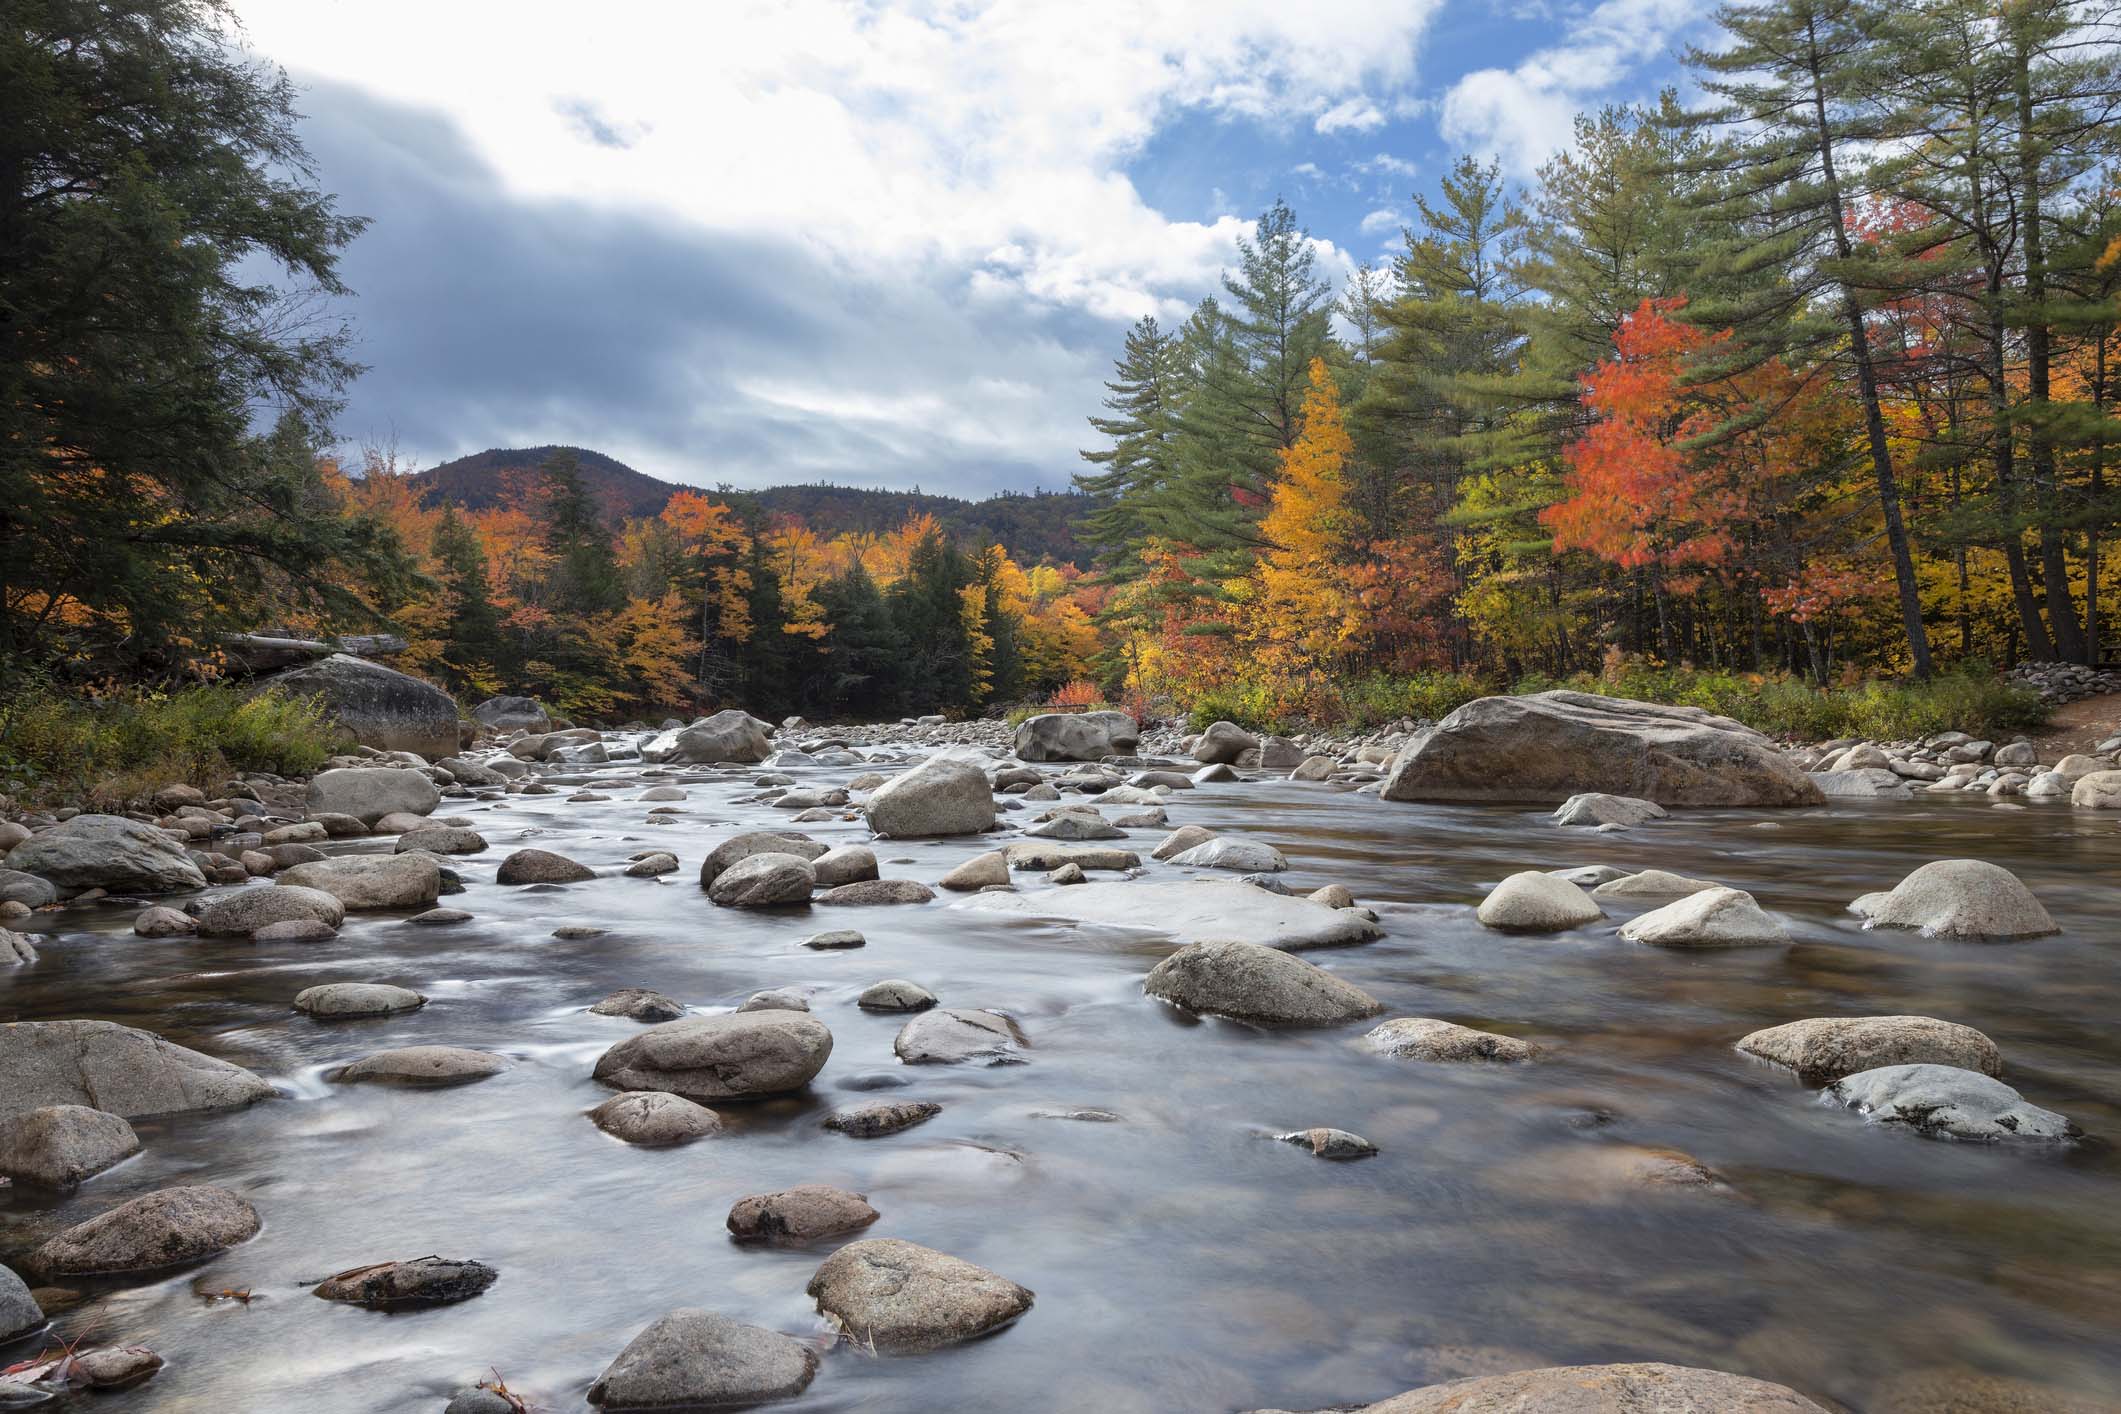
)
(488, 318)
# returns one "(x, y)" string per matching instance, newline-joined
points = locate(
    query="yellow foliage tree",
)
(1300, 612)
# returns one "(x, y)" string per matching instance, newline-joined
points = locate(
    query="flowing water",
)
(1181, 1260)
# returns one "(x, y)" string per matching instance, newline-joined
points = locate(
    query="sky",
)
(878, 244)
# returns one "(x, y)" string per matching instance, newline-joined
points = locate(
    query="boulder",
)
(335, 1000)
(129, 1073)
(1646, 1388)
(726, 736)
(881, 1117)
(1652, 883)
(1946, 1102)
(944, 795)
(442, 839)
(378, 706)
(368, 793)
(729, 1057)
(895, 994)
(836, 939)
(1222, 743)
(424, 1065)
(1593, 808)
(2100, 790)
(1313, 768)
(1828, 1048)
(1180, 840)
(958, 1034)
(1247, 982)
(106, 852)
(1534, 902)
(541, 866)
(1075, 825)
(468, 772)
(1327, 1143)
(371, 881)
(33, 890)
(899, 1298)
(170, 1227)
(1867, 783)
(694, 1359)
(161, 922)
(1240, 856)
(1424, 1038)
(244, 912)
(1958, 898)
(1712, 918)
(655, 1117)
(19, 1315)
(847, 864)
(512, 714)
(58, 1146)
(1191, 911)
(739, 847)
(1031, 854)
(408, 1285)
(639, 1004)
(979, 872)
(764, 881)
(1552, 745)
(804, 1213)
(1076, 736)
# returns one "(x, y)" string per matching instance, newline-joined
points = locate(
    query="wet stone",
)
(882, 1117)
(423, 1281)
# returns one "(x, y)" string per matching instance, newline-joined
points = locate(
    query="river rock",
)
(335, 1000)
(956, 1035)
(541, 866)
(1075, 825)
(59, 1146)
(159, 922)
(1325, 1143)
(377, 706)
(1552, 745)
(295, 930)
(129, 1073)
(1713, 918)
(424, 1065)
(442, 839)
(244, 912)
(31, 891)
(1944, 1101)
(1248, 982)
(877, 891)
(372, 881)
(728, 1057)
(1827, 1048)
(979, 872)
(1533, 902)
(1029, 854)
(804, 1213)
(895, 994)
(440, 917)
(848, 864)
(639, 1004)
(1076, 736)
(1868, 783)
(368, 793)
(2097, 790)
(944, 795)
(1313, 768)
(1959, 898)
(512, 714)
(898, 1298)
(1192, 911)
(882, 1117)
(740, 847)
(476, 774)
(1240, 856)
(1424, 1038)
(655, 1117)
(1222, 743)
(1184, 838)
(726, 736)
(409, 1285)
(1647, 1388)
(777, 999)
(1593, 808)
(694, 1359)
(170, 1227)
(764, 881)
(1652, 883)
(107, 852)
(19, 1314)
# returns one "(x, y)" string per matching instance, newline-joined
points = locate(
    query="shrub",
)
(58, 747)
(1078, 695)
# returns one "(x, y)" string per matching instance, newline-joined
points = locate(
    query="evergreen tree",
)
(586, 573)
(1144, 400)
(472, 630)
(861, 673)
(927, 610)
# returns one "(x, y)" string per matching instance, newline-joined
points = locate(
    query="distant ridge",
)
(1030, 527)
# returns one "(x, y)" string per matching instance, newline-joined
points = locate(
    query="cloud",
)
(1388, 218)
(1355, 115)
(1523, 115)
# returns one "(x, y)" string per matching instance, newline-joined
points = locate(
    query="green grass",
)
(60, 748)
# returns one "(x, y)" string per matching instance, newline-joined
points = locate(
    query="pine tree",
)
(1144, 399)
(586, 570)
(472, 630)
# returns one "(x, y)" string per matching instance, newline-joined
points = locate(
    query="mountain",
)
(1030, 527)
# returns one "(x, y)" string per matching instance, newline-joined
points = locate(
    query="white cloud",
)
(1525, 114)
(1355, 115)
(1385, 218)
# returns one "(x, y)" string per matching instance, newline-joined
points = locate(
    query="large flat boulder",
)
(513, 714)
(108, 852)
(726, 736)
(1646, 1388)
(1076, 736)
(1550, 746)
(106, 1066)
(368, 793)
(378, 706)
(1191, 911)
(171, 1227)
(947, 794)
(365, 881)
(1827, 1048)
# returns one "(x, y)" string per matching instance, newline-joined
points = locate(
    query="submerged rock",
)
(345, 999)
(898, 1298)
(424, 1065)
(956, 1035)
(1647, 1388)
(1943, 1101)
(1192, 910)
(800, 1214)
(1424, 1038)
(1959, 898)
(882, 1117)
(1330, 1143)
(1247, 982)
(1827, 1048)
(694, 1359)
